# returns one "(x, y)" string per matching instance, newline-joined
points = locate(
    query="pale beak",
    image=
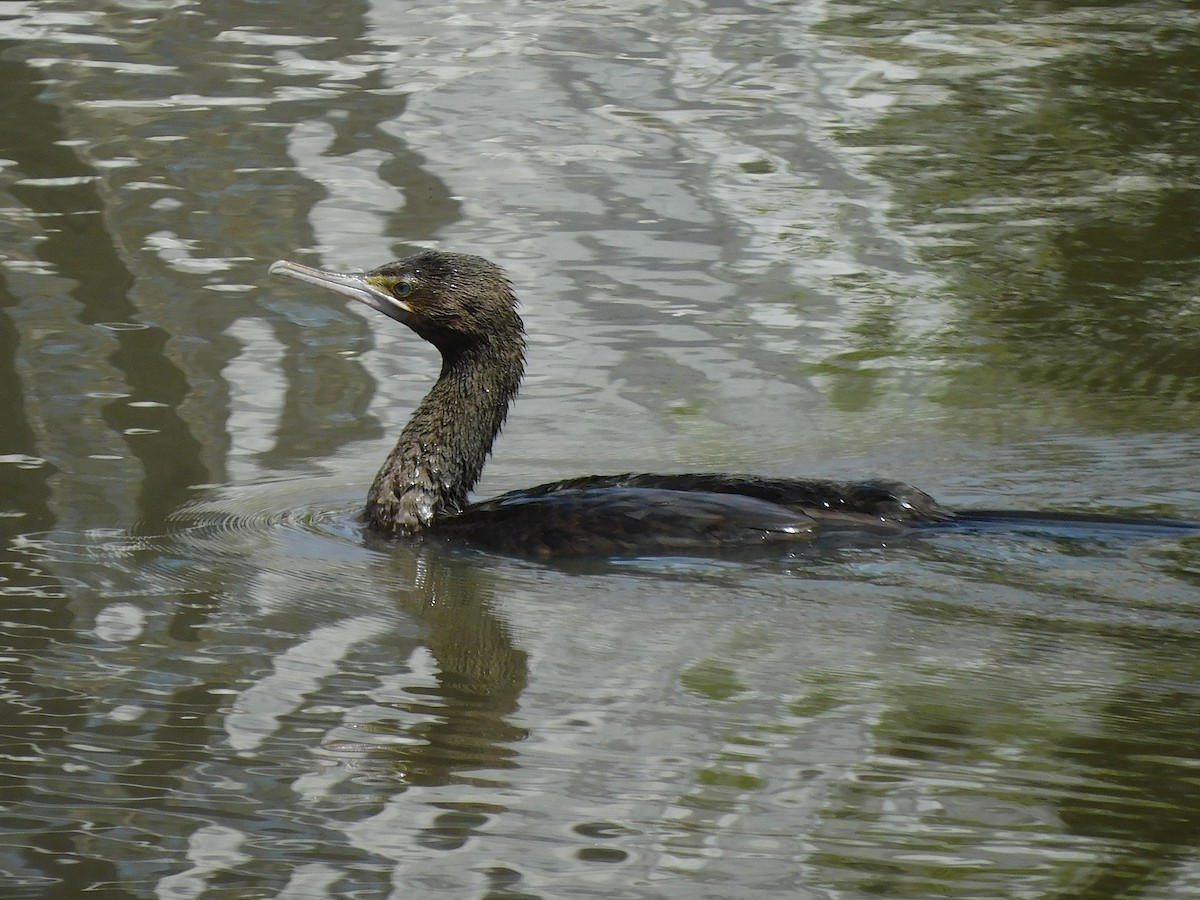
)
(349, 284)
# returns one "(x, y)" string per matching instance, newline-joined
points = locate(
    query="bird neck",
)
(442, 449)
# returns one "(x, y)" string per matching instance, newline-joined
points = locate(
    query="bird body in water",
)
(465, 306)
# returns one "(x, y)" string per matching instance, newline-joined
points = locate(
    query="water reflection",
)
(1060, 194)
(954, 246)
(1135, 772)
(478, 673)
(181, 712)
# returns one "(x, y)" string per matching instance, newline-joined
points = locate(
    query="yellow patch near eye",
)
(385, 283)
(397, 288)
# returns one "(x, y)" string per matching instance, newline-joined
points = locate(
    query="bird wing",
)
(879, 505)
(608, 520)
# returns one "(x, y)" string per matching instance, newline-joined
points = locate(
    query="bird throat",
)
(442, 450)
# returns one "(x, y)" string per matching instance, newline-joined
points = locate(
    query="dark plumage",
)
(465, 306)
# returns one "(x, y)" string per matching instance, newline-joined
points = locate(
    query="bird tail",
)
(1065, 524)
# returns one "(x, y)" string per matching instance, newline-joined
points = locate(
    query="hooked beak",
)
(348, 284)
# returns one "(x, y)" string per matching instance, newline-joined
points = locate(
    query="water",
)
(958, 247)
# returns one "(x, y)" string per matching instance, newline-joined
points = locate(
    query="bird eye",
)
(402, 289)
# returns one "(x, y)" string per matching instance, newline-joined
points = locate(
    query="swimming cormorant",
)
(465, 306)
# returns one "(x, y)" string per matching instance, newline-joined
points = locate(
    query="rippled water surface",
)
(956, 246)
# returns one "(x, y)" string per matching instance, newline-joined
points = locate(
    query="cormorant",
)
(465, 306)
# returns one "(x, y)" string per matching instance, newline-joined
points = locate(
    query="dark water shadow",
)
(61, 189)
